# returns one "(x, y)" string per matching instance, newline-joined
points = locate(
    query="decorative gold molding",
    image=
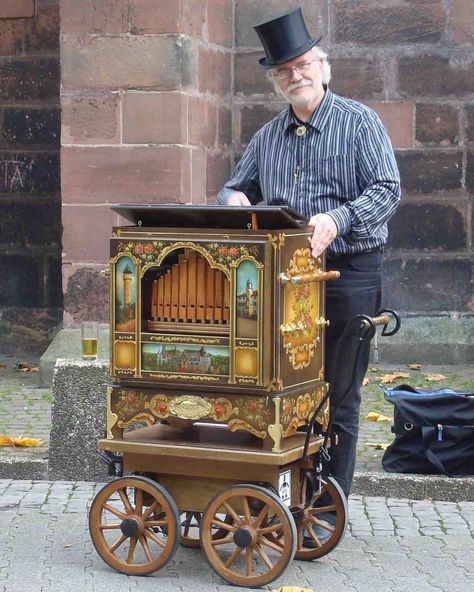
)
(143, 417)
(183, 376)
(250, 343)
(221, 409)
(240, 424)
(136, 261)
(250, 258)
(291, 428)
(112, 418)
(302, 261)
(272, 239)
(275, 431)
(213, 252)
(276, 384)
(185, 339)
(154, 406)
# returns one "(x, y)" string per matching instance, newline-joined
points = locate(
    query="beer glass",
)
(90, 337)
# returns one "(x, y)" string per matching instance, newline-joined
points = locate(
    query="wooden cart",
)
(217, 326)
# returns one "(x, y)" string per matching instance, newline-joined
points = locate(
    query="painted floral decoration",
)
(255, 411)
(129, 403)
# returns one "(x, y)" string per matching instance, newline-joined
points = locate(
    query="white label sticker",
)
(284, 487)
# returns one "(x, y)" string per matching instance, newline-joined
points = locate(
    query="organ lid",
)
(214, 216)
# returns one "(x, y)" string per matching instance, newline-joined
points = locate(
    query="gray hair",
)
(318, 54)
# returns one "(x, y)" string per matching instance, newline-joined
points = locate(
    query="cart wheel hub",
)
(130, 527)
(243, 537)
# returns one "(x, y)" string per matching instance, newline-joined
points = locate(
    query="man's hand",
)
(325, 231)
(238, 199)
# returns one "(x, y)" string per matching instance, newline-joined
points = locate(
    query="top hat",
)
(284, 38)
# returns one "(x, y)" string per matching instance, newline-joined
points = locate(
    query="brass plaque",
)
(190, 407)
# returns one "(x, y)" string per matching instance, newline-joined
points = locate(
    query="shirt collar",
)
(319, 117)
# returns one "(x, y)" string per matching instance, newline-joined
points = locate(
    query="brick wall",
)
(413, 62)
(30, 207)
(146, 117)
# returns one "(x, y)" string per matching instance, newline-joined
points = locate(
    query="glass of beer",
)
(90, 337)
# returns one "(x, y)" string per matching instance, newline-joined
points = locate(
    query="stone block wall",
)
(160, 97)
(146, 93)
(30, 202)
(413, 62)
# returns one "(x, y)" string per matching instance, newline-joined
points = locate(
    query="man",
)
(330, 159)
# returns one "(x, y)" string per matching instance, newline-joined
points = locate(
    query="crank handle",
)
(308, 277)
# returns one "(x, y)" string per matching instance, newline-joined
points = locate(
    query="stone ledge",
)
(434, 339)
(14, 467)
(417, 487)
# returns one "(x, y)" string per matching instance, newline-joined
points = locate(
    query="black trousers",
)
(357, 291)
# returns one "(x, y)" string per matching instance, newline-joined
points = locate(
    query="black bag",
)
(434, 432)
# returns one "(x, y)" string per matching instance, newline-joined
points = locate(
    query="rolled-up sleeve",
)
(245, 179)
(378, 179)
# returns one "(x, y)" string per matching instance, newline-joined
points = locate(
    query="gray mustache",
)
(300, 84)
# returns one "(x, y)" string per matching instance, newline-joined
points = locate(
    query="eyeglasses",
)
(285, 73)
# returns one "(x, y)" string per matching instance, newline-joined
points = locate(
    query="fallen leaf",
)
(378, 417)
(67, 546)
(373, 369)
(365, 382)
(378, 445)
(23, 369)
(34, 369)
(414, 366)
(27, 442)
(20, 441)
(3, 365)
(6, 441)
(435, 377)
(392, 377)
(292, 589)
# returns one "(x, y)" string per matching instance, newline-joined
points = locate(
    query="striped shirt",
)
(342, 165)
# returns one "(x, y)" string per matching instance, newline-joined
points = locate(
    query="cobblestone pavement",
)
(25, 409)
(393, 545)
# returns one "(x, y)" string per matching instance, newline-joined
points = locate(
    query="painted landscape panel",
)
(247, 300)
(185, 358)
(125, 294)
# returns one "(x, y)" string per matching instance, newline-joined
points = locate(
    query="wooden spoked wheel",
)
(134, 525)
(191, 524)
(310, 521)
(247, 555)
